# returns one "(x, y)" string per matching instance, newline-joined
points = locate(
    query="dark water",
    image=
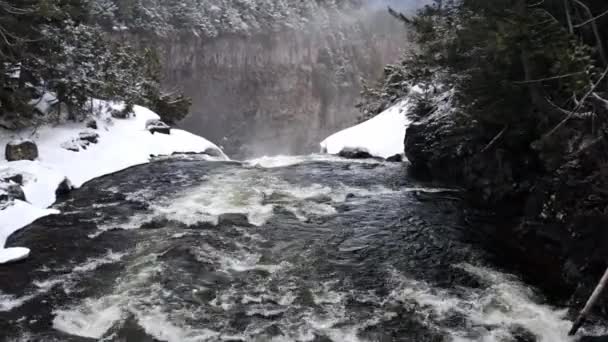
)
(280, 249)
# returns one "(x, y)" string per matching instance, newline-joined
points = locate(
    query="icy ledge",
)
(381, 136)
(122, 143)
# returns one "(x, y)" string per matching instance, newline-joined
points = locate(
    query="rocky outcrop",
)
(548, 205)
(23, 150)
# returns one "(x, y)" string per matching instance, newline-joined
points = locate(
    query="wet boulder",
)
(397, 158)
(354, 153)
(236, 219)
(157, 126)
(23, 150)
(214, 152)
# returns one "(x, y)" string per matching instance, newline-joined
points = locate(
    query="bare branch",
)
(581, 104)
(493, 141)
(550, 78)
(568, 16)
(591, 20)
(596, 31)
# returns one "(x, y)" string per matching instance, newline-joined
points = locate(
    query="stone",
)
(25, 150)
(15, 179)
(214, 152)
(91, 137)
(397, 158)
(64, 188)
(236, 219)
(354, 153)
(157, 126)
(11, 191)
(92, 123)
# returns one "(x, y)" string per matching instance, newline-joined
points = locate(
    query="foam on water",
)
(245, 191)
(67, 280)
(493, 313)
(286, 160)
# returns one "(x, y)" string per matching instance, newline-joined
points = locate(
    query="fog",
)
(282, 92)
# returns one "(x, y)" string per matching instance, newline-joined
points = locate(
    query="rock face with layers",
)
(280, 92)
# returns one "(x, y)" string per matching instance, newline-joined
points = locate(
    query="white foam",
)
(93, 319)
(10, 302)
(270, 162)
(503, 305)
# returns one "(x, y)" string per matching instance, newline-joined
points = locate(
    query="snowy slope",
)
(381, 136)
(122, 143)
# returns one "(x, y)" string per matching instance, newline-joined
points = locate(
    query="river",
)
(312, 248)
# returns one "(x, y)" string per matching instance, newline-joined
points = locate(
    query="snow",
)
(13, 254)
(381, 136)
(122, 143)
(45, 103)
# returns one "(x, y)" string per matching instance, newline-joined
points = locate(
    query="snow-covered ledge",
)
(381, 136)
(121, 143)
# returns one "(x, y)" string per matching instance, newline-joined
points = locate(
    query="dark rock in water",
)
(204, 295)
(92, 123)
(91, 137)
(397, 158)
(273, 330)
(354, 153)
(157, 126)
(521, 334)
(16, 179)
(64, 188)
(320, 199)
(155, 223)
(236, 219)
(214, 152)
(130, 330)
(26, 150)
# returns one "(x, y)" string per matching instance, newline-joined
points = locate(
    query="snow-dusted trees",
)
(210, 18)
(53, 46)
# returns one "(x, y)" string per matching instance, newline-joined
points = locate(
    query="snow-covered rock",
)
(157, 126)
(381, 136)
(13, 254)
(121, 143)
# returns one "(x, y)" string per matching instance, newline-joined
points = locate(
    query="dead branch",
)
(580, 105)
(596, 31)
(493, 141)
(591, 20)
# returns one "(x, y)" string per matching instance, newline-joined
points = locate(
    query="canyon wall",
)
(281, 92)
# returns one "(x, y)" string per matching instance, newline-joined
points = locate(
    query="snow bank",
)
(122, 143)
(381, 136)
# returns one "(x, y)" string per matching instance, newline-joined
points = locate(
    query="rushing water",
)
(278, 249)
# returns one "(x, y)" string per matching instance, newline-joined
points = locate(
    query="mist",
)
(283, 92)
